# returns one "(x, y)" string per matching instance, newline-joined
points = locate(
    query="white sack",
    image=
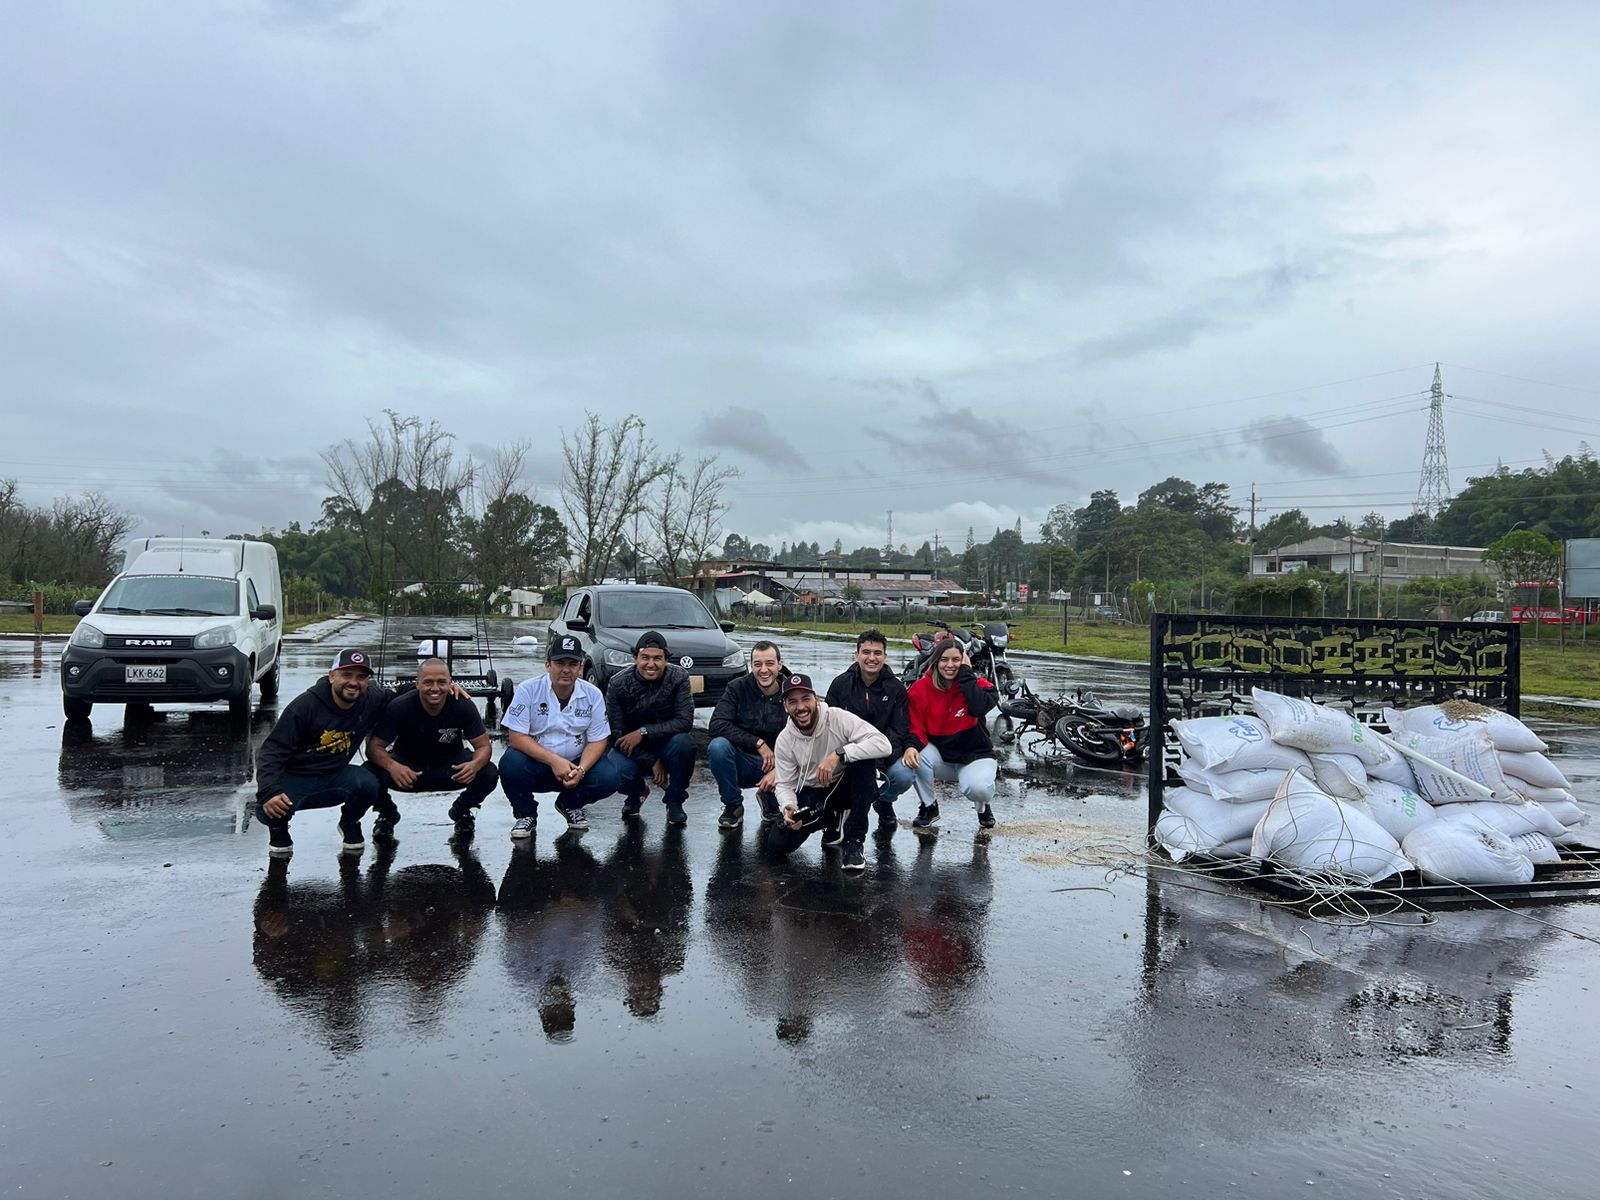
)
(1312, 727)
(1395, 769)
(1466, 852)
(1536, 848)
(1340, 775)
(1540, 794)
(1534, 769)
(1399, 810)
(1566, 811)
(1468, 753)
(1180, 837)
(1235, 786)
(1220, 820)
(1510, 819)
(1307, 828)
(1235, 744)
(1430, 720)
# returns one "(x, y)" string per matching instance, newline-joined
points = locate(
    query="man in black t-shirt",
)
(429, 741)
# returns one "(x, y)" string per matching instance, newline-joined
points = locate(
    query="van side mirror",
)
(265, 612)
(727, 626)
(83, 607)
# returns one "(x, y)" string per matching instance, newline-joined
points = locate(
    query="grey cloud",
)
(749, 432)
(1293, 442)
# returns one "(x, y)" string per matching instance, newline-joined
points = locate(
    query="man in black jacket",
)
(653, 703)
(744, 727)
(305, 761)
(874, 693)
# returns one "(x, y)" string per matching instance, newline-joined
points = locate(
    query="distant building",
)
(820, 584)
(1369, 560)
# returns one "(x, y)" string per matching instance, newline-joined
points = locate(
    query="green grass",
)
(1547, 668)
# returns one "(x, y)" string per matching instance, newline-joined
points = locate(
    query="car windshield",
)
(173, 596)
(652, 610)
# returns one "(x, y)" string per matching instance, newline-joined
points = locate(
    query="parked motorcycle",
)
(1098, 733)
(984, 644)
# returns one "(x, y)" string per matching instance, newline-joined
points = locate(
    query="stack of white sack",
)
(1513, 766)
(1306, 828)
(1231, 769)
(1332, 739)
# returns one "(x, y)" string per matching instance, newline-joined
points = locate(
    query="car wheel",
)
(76, 710)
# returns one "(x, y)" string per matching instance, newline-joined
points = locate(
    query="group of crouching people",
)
(818, 765)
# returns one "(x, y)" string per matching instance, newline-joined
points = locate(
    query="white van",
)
(189, 619)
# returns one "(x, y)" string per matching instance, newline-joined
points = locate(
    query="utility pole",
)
(1252, 510)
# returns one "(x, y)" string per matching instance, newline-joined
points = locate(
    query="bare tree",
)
(401, 490)
(75, 540)
(686, 514)
(609, 470)
(515, 540)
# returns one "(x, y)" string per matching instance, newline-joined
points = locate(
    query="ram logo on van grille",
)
(149, 643)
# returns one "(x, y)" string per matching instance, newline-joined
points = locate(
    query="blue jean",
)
(521, 776)
(733, 769)
(351, 787)
(633, 776)
(896, 779)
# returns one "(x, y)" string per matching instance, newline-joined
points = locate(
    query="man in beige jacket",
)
(826, 773)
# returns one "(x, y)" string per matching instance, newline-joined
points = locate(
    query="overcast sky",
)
(962, 261)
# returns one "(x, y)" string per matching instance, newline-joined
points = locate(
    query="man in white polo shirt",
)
(558, 733)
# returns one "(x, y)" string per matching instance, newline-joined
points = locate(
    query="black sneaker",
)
(732, 816)
(576, 817)
(466, 824)
(675, 813)
(631, 807)
(851, 858)
(927, 816)
(986, 818)
(523, 829)
(887, 821)
(833, 829)
(770, 812)
(350, 830)
(382, 830)
(279, 843)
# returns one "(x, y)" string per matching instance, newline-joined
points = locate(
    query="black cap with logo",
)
(563, 646)
(356, 660)
(798, 683)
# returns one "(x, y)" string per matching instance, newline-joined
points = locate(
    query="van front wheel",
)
(269, 682)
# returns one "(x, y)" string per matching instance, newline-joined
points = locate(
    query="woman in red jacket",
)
(949, 739)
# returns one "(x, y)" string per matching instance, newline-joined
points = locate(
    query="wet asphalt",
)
(645, 1011)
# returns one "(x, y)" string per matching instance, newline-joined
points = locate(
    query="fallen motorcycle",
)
(1083, 725)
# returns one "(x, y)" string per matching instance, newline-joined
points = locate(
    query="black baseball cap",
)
(798, 683)
(356, 660)
(650, 639)
(563, 645)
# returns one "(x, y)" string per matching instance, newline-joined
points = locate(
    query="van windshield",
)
(173, 596)
(652, 610)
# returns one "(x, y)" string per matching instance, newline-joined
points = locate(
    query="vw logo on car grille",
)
(686, 661)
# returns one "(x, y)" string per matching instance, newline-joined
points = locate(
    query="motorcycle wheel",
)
(1018, 709)
(1088, 741)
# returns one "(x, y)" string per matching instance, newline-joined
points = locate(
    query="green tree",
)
(1284, 529)
(1526, 560)
(1095, 517)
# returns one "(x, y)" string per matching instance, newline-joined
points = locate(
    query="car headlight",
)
(618, 658)
(736, 659)
(87, 635)
(215, 639)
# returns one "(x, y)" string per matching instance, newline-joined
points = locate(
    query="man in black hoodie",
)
(305, 761)
(874, 693)
(650, 710)
(744, 728)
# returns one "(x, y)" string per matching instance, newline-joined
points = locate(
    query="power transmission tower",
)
(1434, 491)
(888, 546)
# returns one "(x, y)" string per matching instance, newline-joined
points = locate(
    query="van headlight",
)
(618, 658)
(215, 639)
(736, 659)
(87, 635)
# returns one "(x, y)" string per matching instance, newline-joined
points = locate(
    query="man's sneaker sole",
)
(352, 847)
(280, 851)
(731, 821)
(580, 823)
(521, 835)
(858, 865)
